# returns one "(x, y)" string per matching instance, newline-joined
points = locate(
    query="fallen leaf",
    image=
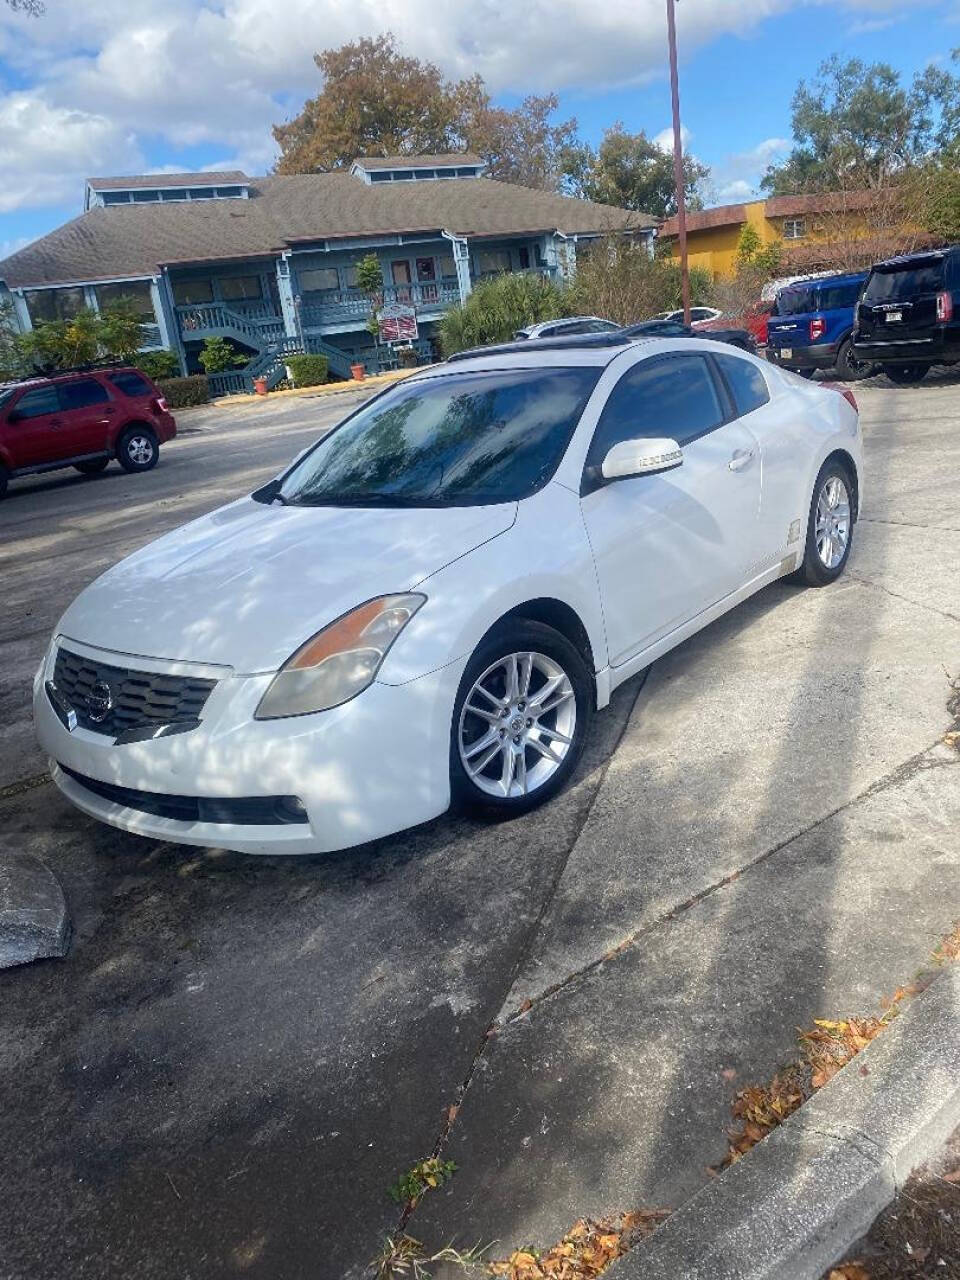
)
(953, 1176)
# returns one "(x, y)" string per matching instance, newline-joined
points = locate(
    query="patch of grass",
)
(403, 1256)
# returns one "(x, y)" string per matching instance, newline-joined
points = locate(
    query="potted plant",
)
(358, 370)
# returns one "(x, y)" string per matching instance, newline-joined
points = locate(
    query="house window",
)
(54, 304)
(229, 193)
(174, 193)
(146, 197)
(241, 289)
(447, 266)
(190, 293)
(350, 278)
(794, 228)
(524, 258)
(491, 261)
(133, 293)
(201, 193)
(115, 197)
(318, 278)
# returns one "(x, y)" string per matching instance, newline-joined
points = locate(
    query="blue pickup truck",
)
(812, 323)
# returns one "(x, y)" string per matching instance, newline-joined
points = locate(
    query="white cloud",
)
(738, 176)
(866, 26)
(664, 139)
(115, 75)
(46, 151)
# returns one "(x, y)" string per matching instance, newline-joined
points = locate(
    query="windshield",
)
(887, 286)
(457, 440)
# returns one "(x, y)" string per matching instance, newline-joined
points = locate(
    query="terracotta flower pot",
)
(260, 386)
(359, 372)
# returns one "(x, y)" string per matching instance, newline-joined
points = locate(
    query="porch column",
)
(288, 306)
(461, 260)
(21, 311)
(168, 308)
(566, 257)
(549, 254)
(159, 314)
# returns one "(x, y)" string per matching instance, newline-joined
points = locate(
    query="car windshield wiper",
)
(368, 500)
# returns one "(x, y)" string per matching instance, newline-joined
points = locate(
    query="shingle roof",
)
(419, 162)
(822, 202)
(150, 180)
(122, 241)
(723, 215)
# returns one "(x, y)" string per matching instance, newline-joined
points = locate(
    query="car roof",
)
(578, 350)
(904, 261)
(59, 375)
(842, 277)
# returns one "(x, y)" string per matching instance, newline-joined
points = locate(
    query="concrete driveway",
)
(240, 1056)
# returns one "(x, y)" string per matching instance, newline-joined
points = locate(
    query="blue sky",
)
(123, 86)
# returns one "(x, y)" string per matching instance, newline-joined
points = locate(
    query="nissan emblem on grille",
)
(99, 701)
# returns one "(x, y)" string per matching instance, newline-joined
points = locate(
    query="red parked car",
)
(753, 319)
(82, 420)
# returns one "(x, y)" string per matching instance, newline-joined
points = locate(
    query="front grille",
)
(249, 811)
(137, 699)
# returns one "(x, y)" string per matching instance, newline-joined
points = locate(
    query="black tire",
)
(815, 572)
(4, 479)
(906, 375)
(549, 647)
(93, 467)
(138, 449)
(849, 368)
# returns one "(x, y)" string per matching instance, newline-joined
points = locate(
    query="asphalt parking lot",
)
(239, 1056)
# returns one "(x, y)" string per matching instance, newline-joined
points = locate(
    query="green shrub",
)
(219, 355)
(179, 393)
(621, 282)
(158, 364)
(497, 308)
(308, 370)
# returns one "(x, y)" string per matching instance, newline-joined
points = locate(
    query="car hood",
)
(248, 584)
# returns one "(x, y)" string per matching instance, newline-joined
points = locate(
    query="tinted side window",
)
(131, 384)
(78, 395)
(837, 296)
(675, 397)
(36, 403)
(746, 381)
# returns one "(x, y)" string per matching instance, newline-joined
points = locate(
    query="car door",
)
(86, 413)
(33, 421)
(668, 546)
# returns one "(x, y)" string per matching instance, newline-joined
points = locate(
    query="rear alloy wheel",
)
(849, 368)
(93, 467)
(520, 720)
(829, 527)
(906, 375)
(137, 449)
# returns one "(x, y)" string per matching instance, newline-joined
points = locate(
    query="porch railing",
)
(328, 306)
(209, 319)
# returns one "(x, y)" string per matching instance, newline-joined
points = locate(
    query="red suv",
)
(82, 420)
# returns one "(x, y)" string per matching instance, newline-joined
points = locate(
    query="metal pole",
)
(678, 163)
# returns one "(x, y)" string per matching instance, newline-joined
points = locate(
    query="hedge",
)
(308, 370)
(181, 392)
(158, 364)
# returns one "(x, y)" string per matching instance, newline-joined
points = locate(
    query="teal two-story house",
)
(271, 263)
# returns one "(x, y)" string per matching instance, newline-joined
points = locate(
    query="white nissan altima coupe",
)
(431, 602)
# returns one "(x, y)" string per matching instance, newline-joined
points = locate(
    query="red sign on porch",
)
(398, 324)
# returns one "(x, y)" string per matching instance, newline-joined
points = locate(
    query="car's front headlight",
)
(340, 661)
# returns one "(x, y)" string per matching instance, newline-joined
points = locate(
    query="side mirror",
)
(641, 457)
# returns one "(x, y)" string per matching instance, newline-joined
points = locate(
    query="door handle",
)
(741, 458)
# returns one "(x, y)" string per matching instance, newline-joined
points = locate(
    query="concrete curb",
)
(799, 1199)
(33, 914)
(373, 382)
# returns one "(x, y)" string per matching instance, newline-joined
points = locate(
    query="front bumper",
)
(822, 356)
(369, 768)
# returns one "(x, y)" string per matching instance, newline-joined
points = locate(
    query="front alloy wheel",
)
(137, 449)
(520, 719)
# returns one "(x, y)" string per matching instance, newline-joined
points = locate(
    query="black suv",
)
(909, 314)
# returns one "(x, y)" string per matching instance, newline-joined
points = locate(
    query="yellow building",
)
(809, 227)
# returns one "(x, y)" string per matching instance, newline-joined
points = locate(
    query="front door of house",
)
(402, 279)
